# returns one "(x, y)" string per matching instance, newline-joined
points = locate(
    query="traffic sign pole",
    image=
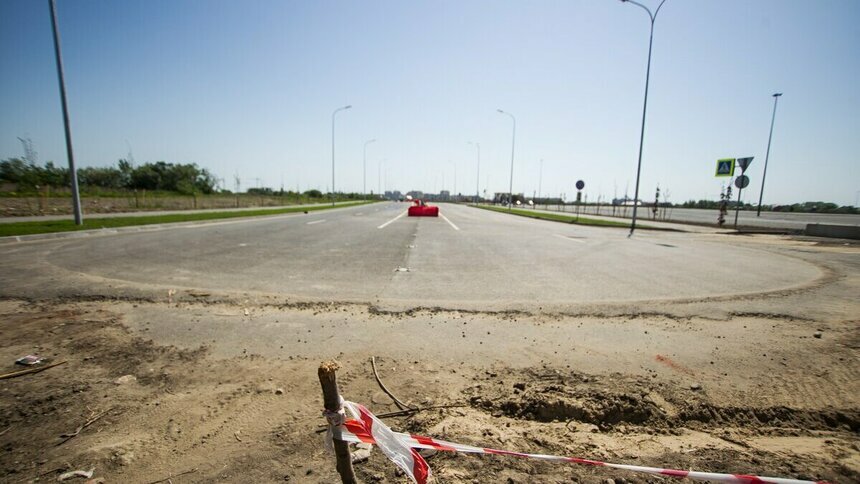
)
(741, 182)
(738, 207)
(579, 186)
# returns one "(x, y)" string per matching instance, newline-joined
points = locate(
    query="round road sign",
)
(580, 185)
(742, 181)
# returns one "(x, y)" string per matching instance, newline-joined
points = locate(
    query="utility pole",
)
(455, 179)
(333, 114)
(73, 172)
(776, 97)
(364, 168)
(540, 181)
(29, 152)
(478, 175)
(653, 17)
(513, 141)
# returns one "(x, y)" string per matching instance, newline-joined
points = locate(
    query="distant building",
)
(502, 198)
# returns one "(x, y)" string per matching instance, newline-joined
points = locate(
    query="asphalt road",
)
(469, 258)
(746, 218)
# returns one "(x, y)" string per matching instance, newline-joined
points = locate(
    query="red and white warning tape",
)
(400, 449)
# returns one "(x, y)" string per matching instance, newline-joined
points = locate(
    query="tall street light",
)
(478, 176)
(364, 170)
(769, 138)
(332, 148)
(652, 16)
(513, 140)
(73, 172)
(540, 182)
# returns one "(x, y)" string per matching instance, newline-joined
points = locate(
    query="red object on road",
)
(420, 209)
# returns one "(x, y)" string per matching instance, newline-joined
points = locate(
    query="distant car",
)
(421, 209)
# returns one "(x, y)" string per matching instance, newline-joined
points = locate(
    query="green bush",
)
(173, 177)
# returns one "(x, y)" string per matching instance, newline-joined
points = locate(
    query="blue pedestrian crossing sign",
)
(726, 167)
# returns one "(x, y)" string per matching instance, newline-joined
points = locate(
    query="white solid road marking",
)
(570, 238)
(315, 222)
(449, 222)
(392, 220)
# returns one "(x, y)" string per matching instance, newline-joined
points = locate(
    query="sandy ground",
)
(198, 388)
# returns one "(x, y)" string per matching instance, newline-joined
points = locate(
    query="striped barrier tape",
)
(400, 449)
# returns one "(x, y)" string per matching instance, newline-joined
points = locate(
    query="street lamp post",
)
(540, 182)
(73, 172)
(333, 114)
(478, 176)
(364, 167)
(513, 141)
(769, 138)
(652, 16)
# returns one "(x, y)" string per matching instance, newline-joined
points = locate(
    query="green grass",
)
(562, 217)
(28, 228)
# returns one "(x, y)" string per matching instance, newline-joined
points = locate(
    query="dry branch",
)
(400, 404)
(31, 370)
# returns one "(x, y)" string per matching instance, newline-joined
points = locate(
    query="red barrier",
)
(419, 209)
(425, 211)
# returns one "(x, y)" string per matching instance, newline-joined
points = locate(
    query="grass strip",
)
(49, 226)
(561, 217)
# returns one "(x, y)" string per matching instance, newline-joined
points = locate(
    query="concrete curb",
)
(833, 231)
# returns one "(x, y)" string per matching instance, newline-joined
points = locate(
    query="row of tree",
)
(805, 207)
(174, 177)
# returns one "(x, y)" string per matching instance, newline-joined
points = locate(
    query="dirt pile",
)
(553, 396)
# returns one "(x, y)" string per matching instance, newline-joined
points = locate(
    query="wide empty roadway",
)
(468, 258)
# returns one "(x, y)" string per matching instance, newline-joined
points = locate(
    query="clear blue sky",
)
(249, 87)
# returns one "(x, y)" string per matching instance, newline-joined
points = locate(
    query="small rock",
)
(360, 455)
(125, 379)
(696, 386)
(520, 386)
(125, 459)
(818, 334)
(279, 391)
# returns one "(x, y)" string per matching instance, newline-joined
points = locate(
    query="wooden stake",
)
(331, 400)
